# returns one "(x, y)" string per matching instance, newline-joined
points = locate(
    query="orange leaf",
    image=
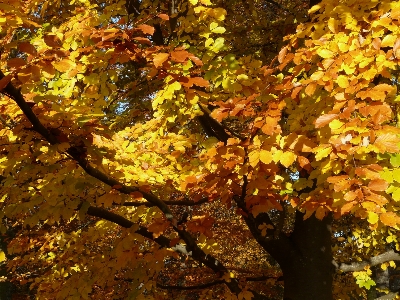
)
(191, 179)
(325, 119)
(396, 46)
(347, 207)
(304, 162)
(163, 16)
(320, 213)
(159, 59)
(379, 185)
(270, 125)
(282, 54)
(387, 142)
(142, 40)
(378, 199)
(390, 219)
(199, 81)
(180, 56)
(146, 29)
(310, 89)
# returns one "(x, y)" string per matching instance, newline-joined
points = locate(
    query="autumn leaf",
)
(163, 16)
(52, 40)
(265, 156)
(387, 142)
(180, 55)
(324, 120)
(146, 29)
(378, 185)
(16, 62)
(27, 48)
(390, 219)
(287, 158)
(159, 59)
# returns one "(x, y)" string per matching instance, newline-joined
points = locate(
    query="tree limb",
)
(209, 284)
(376, 260)
(170, 202)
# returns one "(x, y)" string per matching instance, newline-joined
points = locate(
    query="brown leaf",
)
(27, 48)
(4, 81)
(16, 62)
(136, 195)
(52, 40)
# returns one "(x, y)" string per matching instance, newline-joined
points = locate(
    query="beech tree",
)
(200, 149)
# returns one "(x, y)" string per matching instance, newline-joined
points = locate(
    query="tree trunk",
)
(307, 266)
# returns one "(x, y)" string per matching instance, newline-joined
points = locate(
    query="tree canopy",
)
(200, 149)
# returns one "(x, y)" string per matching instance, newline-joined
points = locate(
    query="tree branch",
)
(376, 260)
(170, 202)
(209, 284)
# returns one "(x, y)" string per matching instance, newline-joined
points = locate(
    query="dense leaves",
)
(166, 149)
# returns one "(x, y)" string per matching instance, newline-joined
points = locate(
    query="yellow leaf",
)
(325, 53)
(254, 158)
(265, 156)
(2, 256)
(193, 2)
(342, 81)
(333, 25)
(287, 158)
(388, 41)
(64, 65)
(276, 156)
(322, 151)
(335, 124)
(218, 29)
(372, 217)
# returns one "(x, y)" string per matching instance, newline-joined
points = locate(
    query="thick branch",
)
(206, 285)
(171, 202)
(193, 287)
(376, 260)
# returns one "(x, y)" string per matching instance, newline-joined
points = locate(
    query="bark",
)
(310, 274)
(305, 259)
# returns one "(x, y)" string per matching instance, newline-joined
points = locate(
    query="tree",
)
(200, 149)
